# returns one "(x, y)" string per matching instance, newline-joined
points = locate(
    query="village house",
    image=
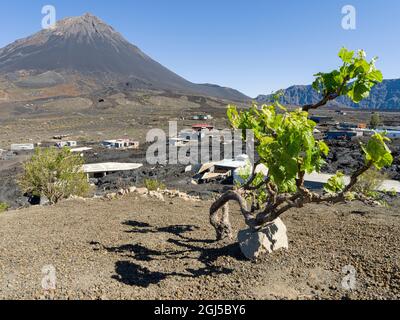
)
(71, 144)
(23, 147)
(121, 144)
(321, 120)
(227, 170)
(99, 170)
(202, 126)
(348, 125)
(343, 134)
(202, 117)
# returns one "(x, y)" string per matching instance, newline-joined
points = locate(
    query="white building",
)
(97, 170)
(121, 144)
(227, 168)
(23, 147)
(62, 144)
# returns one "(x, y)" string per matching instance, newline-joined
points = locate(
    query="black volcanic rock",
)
(88, 46)
(384, 96)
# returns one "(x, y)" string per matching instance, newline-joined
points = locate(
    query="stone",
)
(111, 196)
(132, 189)
(142, 191)
(174, 193)
(44, 200)
(156, 195)
(121, 192)
(270, 238)
(182, 195)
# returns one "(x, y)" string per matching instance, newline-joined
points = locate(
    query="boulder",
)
(121, 192)
(156, 195)
(111, 196)
(270, 238)
(142, 191)
(132, 189)
(174, 193)
(44, 200)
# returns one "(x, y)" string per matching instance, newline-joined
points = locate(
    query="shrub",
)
(3, 207)
(375, 121)
(154, 185)
(55, 174)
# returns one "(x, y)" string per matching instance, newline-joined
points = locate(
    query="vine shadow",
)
(129, 271)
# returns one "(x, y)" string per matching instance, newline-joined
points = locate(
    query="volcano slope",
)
(82, 54)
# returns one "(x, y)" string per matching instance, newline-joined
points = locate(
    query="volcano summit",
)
(88, 47)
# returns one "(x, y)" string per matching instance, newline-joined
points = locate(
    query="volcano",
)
(88, 47)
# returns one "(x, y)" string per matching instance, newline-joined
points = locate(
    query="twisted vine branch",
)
(277, 205)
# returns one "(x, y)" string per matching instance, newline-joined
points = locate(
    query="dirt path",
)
(138, 248)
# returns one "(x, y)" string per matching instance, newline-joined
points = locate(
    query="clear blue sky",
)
(255, 46)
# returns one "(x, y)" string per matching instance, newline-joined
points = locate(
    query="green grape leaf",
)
(335, 184)
(377, 152)
(346, 55)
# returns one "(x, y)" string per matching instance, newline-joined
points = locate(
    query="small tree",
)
(154, 185)
(375, 121)
(286, 146)
(55, 174)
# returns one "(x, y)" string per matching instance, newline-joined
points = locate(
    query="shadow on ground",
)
(130, 272)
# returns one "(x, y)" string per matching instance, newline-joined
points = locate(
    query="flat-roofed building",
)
(23, 147)
(98, 170)
(121, 144)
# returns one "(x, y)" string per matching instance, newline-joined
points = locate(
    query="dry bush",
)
(55, 174)
(154, 185)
